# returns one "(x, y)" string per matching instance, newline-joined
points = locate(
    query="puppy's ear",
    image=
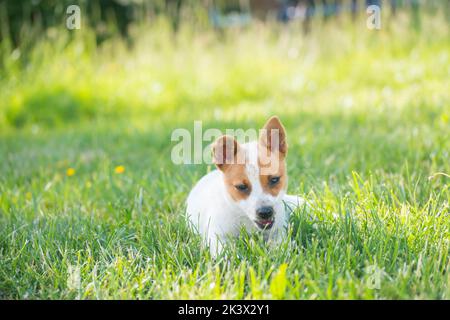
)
(225, 152)
(273, 136)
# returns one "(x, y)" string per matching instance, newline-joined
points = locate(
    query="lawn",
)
(92, 207)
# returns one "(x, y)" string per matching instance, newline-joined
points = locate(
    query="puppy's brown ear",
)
(273, 136)
(225, 152)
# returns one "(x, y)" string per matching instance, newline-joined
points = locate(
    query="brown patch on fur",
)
(276, 168)
(274, 129)
(271, 156)
(229, 158)
(225, 150)
(235, 175)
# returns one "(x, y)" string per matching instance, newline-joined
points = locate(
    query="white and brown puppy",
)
(248, 189)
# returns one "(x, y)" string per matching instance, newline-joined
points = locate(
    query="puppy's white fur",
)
(217, 217)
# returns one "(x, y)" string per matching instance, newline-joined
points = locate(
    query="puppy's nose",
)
(265, 212)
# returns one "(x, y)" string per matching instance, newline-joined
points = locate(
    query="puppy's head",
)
(255, 174)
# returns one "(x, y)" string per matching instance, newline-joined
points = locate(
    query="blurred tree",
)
(105, 16)
(108, 17)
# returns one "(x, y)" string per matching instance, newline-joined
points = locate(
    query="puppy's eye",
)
(274, 180)
(241, 187)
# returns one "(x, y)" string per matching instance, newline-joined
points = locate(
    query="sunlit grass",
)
(92, 207)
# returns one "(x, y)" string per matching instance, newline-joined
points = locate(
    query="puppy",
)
(248, 190)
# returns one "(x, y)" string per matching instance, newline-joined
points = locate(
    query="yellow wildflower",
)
(119, 169)
(70, 172)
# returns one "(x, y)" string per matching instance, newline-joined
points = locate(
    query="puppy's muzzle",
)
(265, 217)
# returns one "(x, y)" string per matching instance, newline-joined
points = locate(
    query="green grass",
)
(367, 115)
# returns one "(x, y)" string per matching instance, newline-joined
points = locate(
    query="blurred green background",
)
(91, 205)
(134, 59)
